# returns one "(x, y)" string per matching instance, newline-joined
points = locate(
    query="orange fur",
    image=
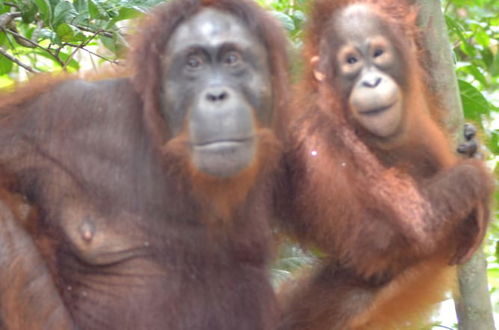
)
(405, 302)
(12, 97)
(390, 216)
(117, 227)
(223, 196)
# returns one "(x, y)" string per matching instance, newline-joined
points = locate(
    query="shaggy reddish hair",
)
(158, 27)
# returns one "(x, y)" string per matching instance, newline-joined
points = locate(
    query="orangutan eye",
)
(378, 52)
(194, 62)
(232, 58)
(352, 60)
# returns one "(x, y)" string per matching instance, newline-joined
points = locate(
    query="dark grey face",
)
(217, 86)
(369, 70)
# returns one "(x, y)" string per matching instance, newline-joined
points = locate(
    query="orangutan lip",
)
(224, 142)
(376, 111)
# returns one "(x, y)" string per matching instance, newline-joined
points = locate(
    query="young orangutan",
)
(370, 177)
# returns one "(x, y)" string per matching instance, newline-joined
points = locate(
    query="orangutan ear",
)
(314, 62)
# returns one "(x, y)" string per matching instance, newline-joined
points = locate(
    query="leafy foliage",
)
(474, 31)
(290, 13)
(51, 35)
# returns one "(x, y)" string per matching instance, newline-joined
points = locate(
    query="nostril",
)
(219, 96)
(372, 82)
(223, 96)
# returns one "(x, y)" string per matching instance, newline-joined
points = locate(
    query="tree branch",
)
(15, 60)
(10, 4)
(6, 18)
(83, 44)
(92, 53)
(473, 305)
(101, 32)
(36, 45)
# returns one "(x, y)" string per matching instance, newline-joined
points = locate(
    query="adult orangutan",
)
(370, 176)
(141, 202)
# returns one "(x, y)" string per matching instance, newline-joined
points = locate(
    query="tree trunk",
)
(473, 307)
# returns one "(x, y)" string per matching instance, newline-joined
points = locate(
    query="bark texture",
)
(473, 307)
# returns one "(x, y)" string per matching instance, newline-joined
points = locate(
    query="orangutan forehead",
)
(213, 25)
(357, 22)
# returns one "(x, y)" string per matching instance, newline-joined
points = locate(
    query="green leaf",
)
(3, 39)
(474, 103)
(28, 11)
(47, 34)
(73, 64)
(63, 56)
(475, 72)
(487, 57)
(81, 19)
(285, 20)
(299, 16)
(109, 43)
(81, 5)
(64, 12)
(96, 11)
(482, 38)
(69, 33)
(494, 142)
(54, 3)
(115, 44)
(127, 13)
(65, 32)
(6, 82)
(493, 276)
(6, 65)
(45, 10)
(494, 69)
(456, 27)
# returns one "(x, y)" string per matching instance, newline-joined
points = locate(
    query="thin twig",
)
(92, 53)
(101, 32)
(442, 326)
(86, 42)
(20, 36)
(15, 60)
(15, 34)
(11, 4)
(6, 18)
(93, 62)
